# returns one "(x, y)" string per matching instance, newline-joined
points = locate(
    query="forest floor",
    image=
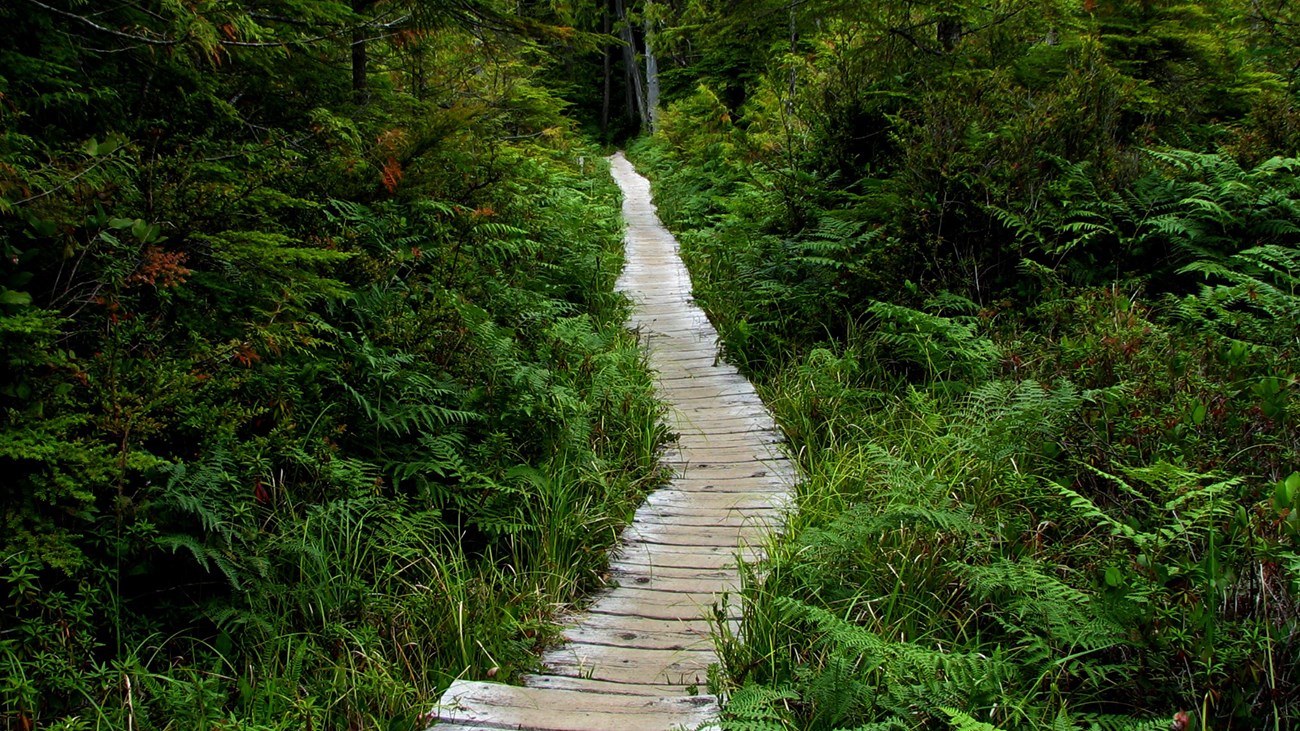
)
(639, 654)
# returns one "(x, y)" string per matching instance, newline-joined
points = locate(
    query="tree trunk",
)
(948, 32)
(631, 94)
(360, 82)
(605, 28)
(636, 82)
(651, 116)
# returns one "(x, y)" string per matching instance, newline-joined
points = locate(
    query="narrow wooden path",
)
(630, 661)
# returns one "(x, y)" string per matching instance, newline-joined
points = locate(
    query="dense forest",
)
(315, 391)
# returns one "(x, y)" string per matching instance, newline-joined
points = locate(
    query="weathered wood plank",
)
(697, 473)
(604, 687)
(715, 502)
(668, 534)
(501, 706)
(678, 514)
(641, 632)
(678, 584)
(621, 668)
(674, 561)
(649, 552)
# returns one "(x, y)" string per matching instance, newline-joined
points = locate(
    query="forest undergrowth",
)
(1080, 514)
(315, 392)
(1029, 326)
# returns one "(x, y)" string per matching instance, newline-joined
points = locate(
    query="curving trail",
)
(629, 659)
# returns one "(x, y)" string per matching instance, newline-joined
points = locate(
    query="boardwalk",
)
(631, 660)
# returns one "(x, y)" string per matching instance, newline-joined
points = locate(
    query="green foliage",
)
(1254, 298)
(941, 347)
(757, 708)
(936, 567)
(1019, 282)
(312, 397)
(311, 355)
(1192, 207)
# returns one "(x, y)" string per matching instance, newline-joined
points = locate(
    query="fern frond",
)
(758, 708)
(943, 346)
(963, 722)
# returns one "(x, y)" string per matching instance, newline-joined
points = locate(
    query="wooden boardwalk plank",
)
(632, 632)
(486, 705)
(669, 534)
(591, 685)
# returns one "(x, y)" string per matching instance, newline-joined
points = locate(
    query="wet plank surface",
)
(635, 656)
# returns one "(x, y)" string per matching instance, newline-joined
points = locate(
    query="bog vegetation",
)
(315, 393)
(1020, 280)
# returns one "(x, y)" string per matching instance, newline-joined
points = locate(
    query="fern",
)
(1107, 722)
(1000, 418)
(1254, 297)
(378, 233)
(203, 492)
(943, 347)
(908, 674)
(963, 722)
(441, 455)
(398, 397)
(758, 708)
(1183, 508)
(1031, 601)
(747, 724)
(838, 244)
(1193, 207)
